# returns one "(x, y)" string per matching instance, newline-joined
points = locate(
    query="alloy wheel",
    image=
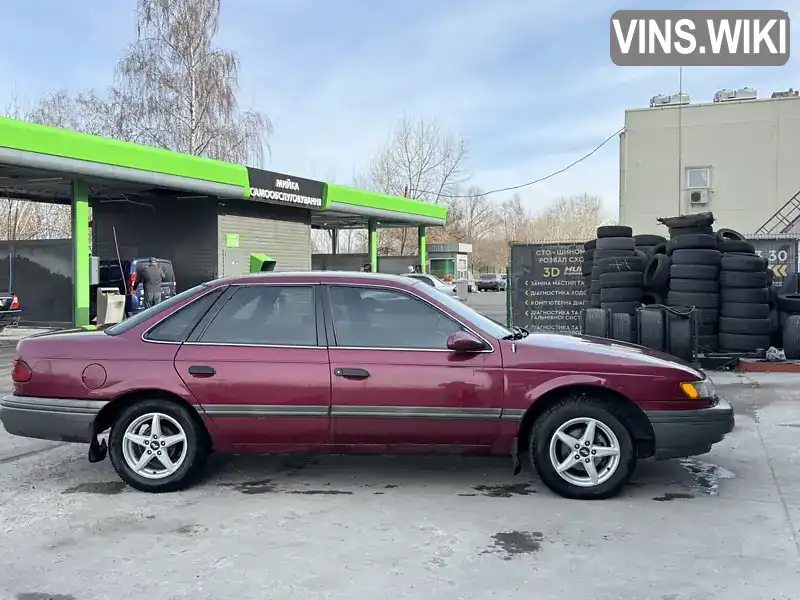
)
(154, 445)
(585, 452)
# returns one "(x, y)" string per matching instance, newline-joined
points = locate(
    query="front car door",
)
(396, 385)
(258, 364)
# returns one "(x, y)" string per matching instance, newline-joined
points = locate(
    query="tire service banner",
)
(547, 288)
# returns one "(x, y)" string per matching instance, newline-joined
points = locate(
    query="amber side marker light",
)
(698, 390)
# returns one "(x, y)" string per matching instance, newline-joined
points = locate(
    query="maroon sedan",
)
(355, 363)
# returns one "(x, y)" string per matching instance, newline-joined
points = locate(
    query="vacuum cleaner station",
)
(209, 218)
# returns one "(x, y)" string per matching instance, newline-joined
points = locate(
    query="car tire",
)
(651, 328)
(691, 241)
(571, 416)
(628, 308)
(733, 342)
(689, 299)
(621, 294)
(621, 279)
(176, 420)
(729, 235)
(744, 310)
(675, 232)
(791, 337)
(694, 272)
(648, 239)
(656, 273)
(745, 326)
(595, 322)
(680, 337)
(622, 325)
(616, 243)
(736, 246)
(695, 286)
(610, 231)
(620, 264)
(742, 262)
(789, 303)
(696, 257)
(742, 279)
(745, 295)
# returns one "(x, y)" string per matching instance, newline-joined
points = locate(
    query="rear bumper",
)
(682, 433)
(9, 316)
(57, 419)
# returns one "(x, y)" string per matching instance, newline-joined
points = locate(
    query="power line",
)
(535, 181)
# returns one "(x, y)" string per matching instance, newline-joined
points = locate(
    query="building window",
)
(698, 178)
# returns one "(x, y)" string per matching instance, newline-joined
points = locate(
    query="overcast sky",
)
(528, 82)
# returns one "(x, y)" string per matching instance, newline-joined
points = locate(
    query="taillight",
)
(21, 372)
(132, 283)
(14, 302)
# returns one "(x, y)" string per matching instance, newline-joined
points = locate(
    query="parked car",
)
(10, 310)
(112, 276)
(433, 281)
(355, 362)
(491, 281)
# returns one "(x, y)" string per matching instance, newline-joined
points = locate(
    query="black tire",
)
(656, 274)
(774, 322)
(651, 297)
(791, 337)
(620, 264)
(744, 326)
(545, 428)
(648, 239)
(594, 300)
(770, 277)
(789, 303)
(621, 294)
(657, 249)
(595, 272)
(782, 318)
(612, 231)
(773, 297)
(586, 268)
(706, 272)
(742, 262)
(615, 243)
(622, 328)
(623, 279)
(196, 446)
(590, 245)
(724, 234)
(700, 241)
(732, 342)
(751, 295)
(694, 285)
(594, 321)
(736, 246)
(628, 308)
(706, 343)
(641, 254)
(696, 257)
(588, 256)
(742, 279)
(744, 310)
(675, 232)
(696, 300)
(680, 338)
(594, 287)
(651, 328)
(598, 254)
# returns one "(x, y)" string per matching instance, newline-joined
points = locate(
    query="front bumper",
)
(57, 419)
(682, 433)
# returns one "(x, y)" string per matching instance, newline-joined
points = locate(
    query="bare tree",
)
(470, 218)
(569, 218)
(180, 89)
(419, 161)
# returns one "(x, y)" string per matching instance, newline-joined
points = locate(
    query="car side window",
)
(177, 326)
(265, 315)
(363, 318)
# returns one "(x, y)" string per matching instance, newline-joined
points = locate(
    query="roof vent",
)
(745, 93)
(790, 93)
(669, 100)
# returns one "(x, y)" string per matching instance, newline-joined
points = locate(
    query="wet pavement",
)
(723, 525)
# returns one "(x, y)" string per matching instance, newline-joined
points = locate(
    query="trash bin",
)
(110, 305)
(462, 289)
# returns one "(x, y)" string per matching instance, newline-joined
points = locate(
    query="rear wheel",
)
(582, 450)
(157, 446)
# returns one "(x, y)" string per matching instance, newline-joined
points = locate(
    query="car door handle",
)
(202, 371)
(351, 373)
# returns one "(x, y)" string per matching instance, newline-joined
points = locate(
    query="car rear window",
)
(488, 277)
(151, 312)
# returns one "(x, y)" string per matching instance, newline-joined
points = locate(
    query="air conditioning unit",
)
(745, 93)
(669, 100)
(698, 197)
(790, 93)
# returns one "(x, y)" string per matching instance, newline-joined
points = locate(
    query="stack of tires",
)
(620, 273)
(694, 280)
(590, 281)
(788, 303)
(746, 320)
(645, 243)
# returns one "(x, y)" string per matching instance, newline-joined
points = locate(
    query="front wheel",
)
(157, 446)
(582, 450)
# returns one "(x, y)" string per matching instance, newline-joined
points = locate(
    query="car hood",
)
(585, 352)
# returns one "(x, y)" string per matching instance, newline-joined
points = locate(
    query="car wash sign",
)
(277, 188)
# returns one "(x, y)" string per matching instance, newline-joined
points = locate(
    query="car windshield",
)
(488, 325)
(148, 313)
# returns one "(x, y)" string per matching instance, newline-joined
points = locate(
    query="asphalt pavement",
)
(723, 525)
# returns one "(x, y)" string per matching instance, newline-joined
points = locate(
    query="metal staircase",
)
(784, 220)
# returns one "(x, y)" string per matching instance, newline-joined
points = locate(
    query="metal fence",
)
(546, 290)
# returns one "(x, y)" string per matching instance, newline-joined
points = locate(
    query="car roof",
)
(321, 277)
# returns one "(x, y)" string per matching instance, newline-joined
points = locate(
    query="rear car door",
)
(259, 366)
(395, 383)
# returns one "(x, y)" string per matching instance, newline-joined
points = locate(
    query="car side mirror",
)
(463, 341)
